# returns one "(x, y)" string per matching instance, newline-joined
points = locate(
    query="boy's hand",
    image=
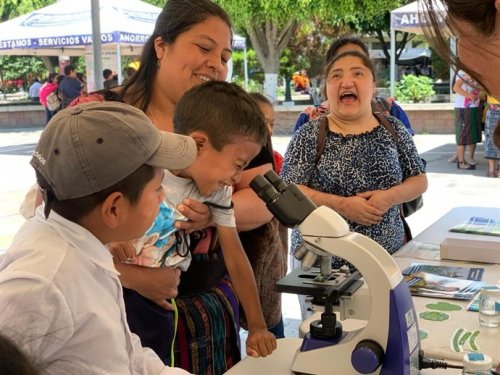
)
(122, 252)
(260, 343)
(198, 215)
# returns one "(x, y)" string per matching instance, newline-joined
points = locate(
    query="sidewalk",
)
(448, 187)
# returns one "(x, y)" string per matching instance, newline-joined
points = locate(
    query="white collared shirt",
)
(62, 302)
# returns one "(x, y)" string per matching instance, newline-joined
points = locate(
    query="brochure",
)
(443, 281)
(479, 225)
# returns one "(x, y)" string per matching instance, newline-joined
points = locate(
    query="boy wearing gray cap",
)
(100, 168)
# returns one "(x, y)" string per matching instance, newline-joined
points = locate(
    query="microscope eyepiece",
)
(276, 181)
(285, 201)
(264, 189)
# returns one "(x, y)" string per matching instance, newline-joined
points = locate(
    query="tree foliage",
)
(13, 8)
(14, 67)
(379, 26)
(271, 24)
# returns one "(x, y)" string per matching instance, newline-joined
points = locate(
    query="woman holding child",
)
(363, 173)
(191, 45)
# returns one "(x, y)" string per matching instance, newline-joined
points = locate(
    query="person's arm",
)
(457, 87)
(408, 190)
(250, 211)
(260, 341)
(414, 179)
(355, 208)
(157, 284)
(35, 312)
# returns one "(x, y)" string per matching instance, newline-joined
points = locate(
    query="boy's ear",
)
(113, 210)
(201, 139)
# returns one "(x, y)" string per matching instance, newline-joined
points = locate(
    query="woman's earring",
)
(158, 64)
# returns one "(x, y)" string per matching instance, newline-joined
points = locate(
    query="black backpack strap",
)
(382, 104)
(321, 141)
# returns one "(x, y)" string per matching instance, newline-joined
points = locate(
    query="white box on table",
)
(471, 247)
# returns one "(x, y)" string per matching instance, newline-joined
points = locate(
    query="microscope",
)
(388, 343)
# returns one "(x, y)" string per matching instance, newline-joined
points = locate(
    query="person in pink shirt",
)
(48, 87)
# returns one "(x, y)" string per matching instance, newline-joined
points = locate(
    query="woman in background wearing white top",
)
(467, 118)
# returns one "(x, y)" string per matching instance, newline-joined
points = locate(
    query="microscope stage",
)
(313, 284)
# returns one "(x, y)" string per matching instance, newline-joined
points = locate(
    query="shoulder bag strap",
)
(321, 141)
(383, 120)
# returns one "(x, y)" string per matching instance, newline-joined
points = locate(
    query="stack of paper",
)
(478, 240)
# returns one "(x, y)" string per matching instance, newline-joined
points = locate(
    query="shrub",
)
(414, 89)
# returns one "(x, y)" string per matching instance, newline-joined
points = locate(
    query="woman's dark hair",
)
(480, 14)
(51, 77)
(228, 114)
(341, 42)
(365, 59)
(75, 209)
(177, 17)
(13, 360)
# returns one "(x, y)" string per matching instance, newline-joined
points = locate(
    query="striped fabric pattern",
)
(467, 126)
(207, 339)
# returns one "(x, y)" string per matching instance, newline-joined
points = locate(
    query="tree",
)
(270, 24)
(310, 43)
(379, 26)
(13, 8)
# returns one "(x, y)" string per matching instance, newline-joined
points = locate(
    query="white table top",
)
(437, 343)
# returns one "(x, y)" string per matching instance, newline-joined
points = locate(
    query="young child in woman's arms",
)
(229, 130)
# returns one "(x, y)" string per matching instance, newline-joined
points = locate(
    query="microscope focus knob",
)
(367, 356)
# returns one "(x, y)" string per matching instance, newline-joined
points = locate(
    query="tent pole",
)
(96, 43)
(453, 49)
(393, 61)
(119, 62)
(245, 66)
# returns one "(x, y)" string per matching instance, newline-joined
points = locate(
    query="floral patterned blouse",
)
(353, 164)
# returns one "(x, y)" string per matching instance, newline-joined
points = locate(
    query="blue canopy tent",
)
(65, 28)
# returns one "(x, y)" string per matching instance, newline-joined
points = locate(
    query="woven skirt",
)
(467, 126)
(207, 340)
(492, 119)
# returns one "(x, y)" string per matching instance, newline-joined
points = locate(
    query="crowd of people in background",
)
(58, 90)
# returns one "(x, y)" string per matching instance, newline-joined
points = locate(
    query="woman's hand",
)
(123, 252)
(359, 210)
(198, 215)
(260, 343)
(379, 199)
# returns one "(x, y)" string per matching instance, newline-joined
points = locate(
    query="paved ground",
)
(448, 187)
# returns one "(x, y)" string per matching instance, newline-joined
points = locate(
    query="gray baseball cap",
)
(90, 147)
